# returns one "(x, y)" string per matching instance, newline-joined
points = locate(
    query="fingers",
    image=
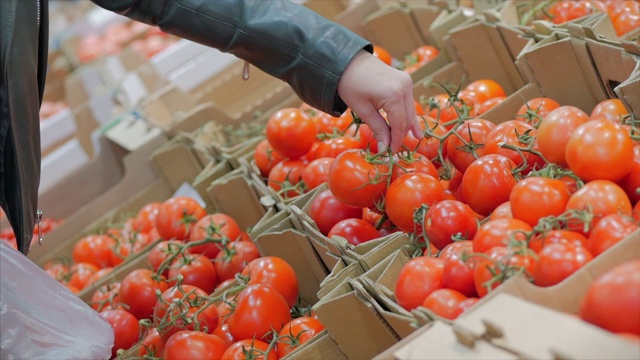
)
(371, 116)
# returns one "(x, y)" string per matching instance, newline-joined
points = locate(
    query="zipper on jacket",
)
(39, 222)
(245, 71)
(38, 12)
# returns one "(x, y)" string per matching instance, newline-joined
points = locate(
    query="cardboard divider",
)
(137, 175)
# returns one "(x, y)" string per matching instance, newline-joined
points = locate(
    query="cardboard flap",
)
(176, 161)
(353, 17)
(294, 247)
(161, 107)
(613, 65)
(235, 196)
(381, 249)
(321, 346)
(338, 275)
(508, 108)
(442, 25)
(393, 28)
(389, 276)
(538, 339)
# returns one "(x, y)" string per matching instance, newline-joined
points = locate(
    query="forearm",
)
(281, 38)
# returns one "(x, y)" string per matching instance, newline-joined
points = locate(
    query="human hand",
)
(368, 85)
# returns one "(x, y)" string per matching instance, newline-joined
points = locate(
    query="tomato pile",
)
(624, 14)
(413, 61)
(46, 225)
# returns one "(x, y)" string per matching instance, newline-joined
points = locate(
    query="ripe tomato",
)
(194, 345)
(152, 344)
(550, 197)
(626, 22)
(213, 227)
(449, 219)
(234, 258)
(285, 175)
(464, 305)
(184, 307)
(223, 332)
(326, 211)
(499, 232)
(296, 333)
(489, 88)
(125, 328)
(161, 252)
(276, 273)
(316, 172)
(600, 150)
(81, 274)
(260, 309)
(196, 270)
(335, 146)
(554, 132)
(459, 263)
(631, 182)
(610, 109)
(266, 157)
(498, 265)
(330, 125)
(536, 109)
(287, 124)
(409, 193)
(106, 295)
(502, 211)
(146, 218)
(518, 134)
(429, 145)
(469, 143)
(444, 303)
(138, 291)
(413, 163)
(94, 249)
(176, 217)
(612, 301)
(557, 236)
(418, 278)
(557, 261)
(357, 181)
(600, 198)
(608, 231)
(355, 231)
(249, 349)
(487, 183)
(382, 54)
(489, 104)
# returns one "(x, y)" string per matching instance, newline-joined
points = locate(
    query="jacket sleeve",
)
(282, 38)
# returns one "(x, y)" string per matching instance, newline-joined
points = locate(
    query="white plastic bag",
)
(42, 319)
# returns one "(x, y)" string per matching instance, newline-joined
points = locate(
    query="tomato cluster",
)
(46, 225)
(624, 14)
(412, 61)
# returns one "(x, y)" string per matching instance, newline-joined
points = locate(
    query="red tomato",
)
(518, 134)
(194, 345)
(355, 231)
(382, 54)
(138, 291)
(367, 140)
(498, 265)
(296, 333)
(444, 303)
(448, 220)
(223, 332)
(326, 211)
(489, 104)
(557, 261)
(502, 211)
(469, 143)
(464, 305)
(409, 193)
(335, 146)
(176, 217)
(487, 183)
(626, 22)
(555, 130)
(600, 198)
(152, 345)
(458, 267)
(284, 177)
(550, 197)
(357, 181)
(146, 218)
(196, 270)
(184, 307)
(608, 231)
(316, 172)
(260, 309)
(417, 279)
(631, 182)
(610, 109)
(161, 252)
(266, 157)
(612, 301)
(499, 232)
(557, 236)
(487, 87)
(125, 327)
(234, 258)
(106, 295)
(249, 349)
(536, 109)
(213, 228)
(330, 125)
(81, 274)
(287, 124)
(600, 150)
(413, 163)
(276, 273)
(94, 249)
(430, 144)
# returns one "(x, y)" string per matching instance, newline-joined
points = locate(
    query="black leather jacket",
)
(281, 38)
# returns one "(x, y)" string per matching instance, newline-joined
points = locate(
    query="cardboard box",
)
(88, 198)
(394, 28)
(353, 16)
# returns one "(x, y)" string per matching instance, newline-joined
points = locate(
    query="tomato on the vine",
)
(468, 143)
(487, 183)
(413, 163)
(519, 135)
(194, 345)
(554, 132)
(356, 180)
(138, 291)
(418, 278)
(499, 232)
(600, 198)
(326, 211)
(184, 307)
(287, 124)
(259, 310)
(285, 176)
(276, 273)
(550, 197)
(266, 157)
(444, 303)
(249, 349)
(608, 231)
(214, 228)
(296, 333)
(459, 263)
(196, 270)
(355, 231)
(536, 109)
(125, 327)
(449, 220)
(176, 217)
(557, 261)
(233, 259)
(409, 193)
